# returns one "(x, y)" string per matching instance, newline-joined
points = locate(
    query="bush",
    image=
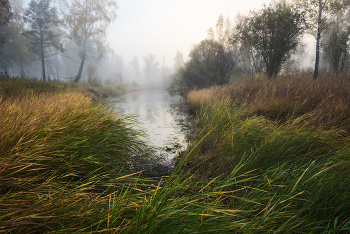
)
(210, 64)
(93, 79)
(109, 81)
(134, 83)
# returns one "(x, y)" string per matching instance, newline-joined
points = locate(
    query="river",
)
(164, 118)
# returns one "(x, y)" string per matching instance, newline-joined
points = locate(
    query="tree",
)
(42, 18)
(178, 60)
(249, 61)
(86, 22)
(210, 34)
(273, 31)
(336, 49)
(210, 64)
(5, 16)
(224, 30)
(165, 72)
(135, 65)
(151, 65)
(14, 51)
(321, 14)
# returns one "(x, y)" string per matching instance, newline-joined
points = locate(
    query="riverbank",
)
(292, 136)
(65, 168)
(15, 87)
(62, 158)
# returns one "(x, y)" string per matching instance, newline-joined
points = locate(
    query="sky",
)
(163, 27)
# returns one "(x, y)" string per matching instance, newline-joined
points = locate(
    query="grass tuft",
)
(60, 156)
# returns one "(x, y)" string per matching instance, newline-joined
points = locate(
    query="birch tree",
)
(321, 14)
(86, 22)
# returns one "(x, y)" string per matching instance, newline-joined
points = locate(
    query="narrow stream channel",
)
(164, 118)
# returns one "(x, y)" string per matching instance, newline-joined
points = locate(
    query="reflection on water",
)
(160, 115)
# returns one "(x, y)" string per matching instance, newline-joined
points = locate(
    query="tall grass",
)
(60, 154)
(295, 134)
(325, 101)
(240, 202)
(16, 86)
(66, 166)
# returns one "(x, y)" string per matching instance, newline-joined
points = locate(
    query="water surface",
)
(163, 118)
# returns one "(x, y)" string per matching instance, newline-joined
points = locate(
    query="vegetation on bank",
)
(292, 134)
(61, 155)
(272, 155)
(67, 165)
(17, 86)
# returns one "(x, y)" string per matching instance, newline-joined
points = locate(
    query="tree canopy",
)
(209, 64)
(274, 32)
(320, 15)
(337, 48)
(42, 18)
(5, 16)
(86, 22)
(14, 51)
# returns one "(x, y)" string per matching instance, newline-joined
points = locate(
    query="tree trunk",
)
(77, 78)
(22, 74)
(42, 56)
(319, 30)
(6, 60)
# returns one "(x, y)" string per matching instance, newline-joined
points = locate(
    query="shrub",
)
(210, 64)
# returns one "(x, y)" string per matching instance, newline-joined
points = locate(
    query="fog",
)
(161, 28)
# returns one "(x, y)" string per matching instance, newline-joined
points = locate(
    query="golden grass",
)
(278, 128)
(24, 115)
(64, 167)
(59, 152)
(322, 103)
(14, 88)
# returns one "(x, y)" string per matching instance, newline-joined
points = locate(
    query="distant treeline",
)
(269, 42)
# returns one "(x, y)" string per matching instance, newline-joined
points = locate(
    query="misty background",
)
(146, 42)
